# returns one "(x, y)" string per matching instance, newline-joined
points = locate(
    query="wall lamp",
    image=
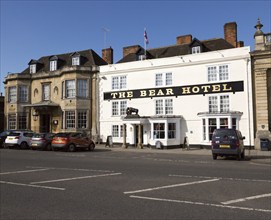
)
(35, 115)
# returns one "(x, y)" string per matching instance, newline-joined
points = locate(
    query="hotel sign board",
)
(201, 89)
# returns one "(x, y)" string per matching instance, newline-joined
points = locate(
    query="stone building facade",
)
(261, 69)
(55, 93)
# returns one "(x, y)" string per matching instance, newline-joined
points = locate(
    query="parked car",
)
(228, 142)
(41, 141)
(70, 141)
(19, 139)
(3, 136)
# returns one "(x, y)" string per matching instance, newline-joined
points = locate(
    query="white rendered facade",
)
(177, 97)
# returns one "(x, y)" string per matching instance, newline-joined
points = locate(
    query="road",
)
(107, 184)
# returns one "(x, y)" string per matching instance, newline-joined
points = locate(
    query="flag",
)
(146, 37)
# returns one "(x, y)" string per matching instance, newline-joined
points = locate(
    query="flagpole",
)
(145, 44)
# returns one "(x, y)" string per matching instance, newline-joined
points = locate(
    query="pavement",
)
(252, 155)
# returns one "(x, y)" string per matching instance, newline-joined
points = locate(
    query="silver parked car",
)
(41, 141)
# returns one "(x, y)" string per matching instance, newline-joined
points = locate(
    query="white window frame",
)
(196, 50)
(46, 92)
(32, 68)
(53, 65)
(70, 122)
(218, 73)
(115, 131)
(82, 119)
(163, 79)
(23, 93)
(164, 106)
(70, 88)
(119, 108)
(82, 88)
(12, 94)
(12, 122)
(119, 82)
(219, 103)
(76, 61)
(22, 121)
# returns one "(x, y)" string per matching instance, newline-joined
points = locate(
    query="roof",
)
(177, 50)
(88, 58)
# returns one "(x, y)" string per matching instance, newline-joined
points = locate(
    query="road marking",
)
(75, 178)
(201, 203)
(30, 185)
(221, 178)
(247, 198)
(170, 186)
(23, 171)
(56, 168)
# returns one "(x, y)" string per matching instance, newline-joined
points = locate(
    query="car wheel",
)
(23, 145)
(71, 148)
(214, 156)
(91, 147)
(239, 156)
(48, 147)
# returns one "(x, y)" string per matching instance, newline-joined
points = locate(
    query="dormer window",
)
(196, 49)
(33, 68)
(76, 60)
(53, 65)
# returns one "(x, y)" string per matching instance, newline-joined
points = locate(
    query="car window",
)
(76, 135)
(27, 134)
(62, 135)
(39, 135)
(13, 134)
(224, 134)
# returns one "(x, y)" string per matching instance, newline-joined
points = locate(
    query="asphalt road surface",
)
(127, 185)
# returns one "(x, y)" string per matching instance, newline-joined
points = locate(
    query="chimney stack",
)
(107, 55)
(130, 49)
(230, 33)
(185, 39)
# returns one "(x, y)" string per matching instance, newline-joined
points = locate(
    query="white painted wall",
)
(186, 70)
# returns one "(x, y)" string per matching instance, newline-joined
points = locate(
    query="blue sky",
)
(32, 29)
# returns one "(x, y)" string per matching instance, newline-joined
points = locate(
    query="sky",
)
(36, 28)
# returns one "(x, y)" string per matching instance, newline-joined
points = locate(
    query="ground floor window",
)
(158, 130)
(22, 121)
(117, 131)
(75, 119)
(12, 121)
(212, 123)
(171, 130)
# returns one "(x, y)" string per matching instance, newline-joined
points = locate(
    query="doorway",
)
(45, 123)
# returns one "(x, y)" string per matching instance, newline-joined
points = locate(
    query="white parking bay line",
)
(247, 198)
(23, 171)
(22, 184)
(201, 203)
(75, 178)
(171, 186)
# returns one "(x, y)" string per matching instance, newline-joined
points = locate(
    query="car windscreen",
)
(231, 134)
(62, 135)
(38, 135)
(14, 134)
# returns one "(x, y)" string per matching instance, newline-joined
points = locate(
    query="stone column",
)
(139, 145)
(124, 145)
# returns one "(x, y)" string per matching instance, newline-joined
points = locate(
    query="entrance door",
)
(45, 123)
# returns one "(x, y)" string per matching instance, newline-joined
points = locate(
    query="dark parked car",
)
(228, 142)
(41, 141)
(70, 141)
(3, 136)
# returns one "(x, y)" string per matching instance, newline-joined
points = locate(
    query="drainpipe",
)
(248, 99)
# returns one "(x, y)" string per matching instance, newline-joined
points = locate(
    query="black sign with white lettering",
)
(237, 86)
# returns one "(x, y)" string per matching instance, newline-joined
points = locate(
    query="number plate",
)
(224, 146)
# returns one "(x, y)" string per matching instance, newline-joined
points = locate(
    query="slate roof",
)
(88, 58)
(178, 50)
